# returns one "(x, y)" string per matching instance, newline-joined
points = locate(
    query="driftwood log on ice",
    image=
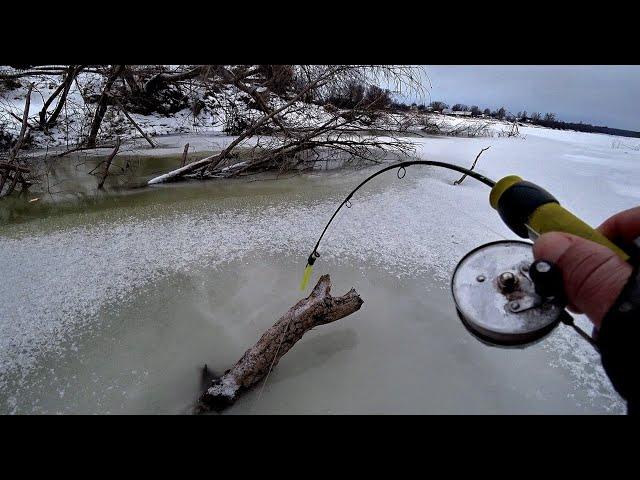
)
(318, 308)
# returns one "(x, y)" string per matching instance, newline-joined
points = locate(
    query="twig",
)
(458, 182)
(133, 122)
(108, 164)
(83, 147)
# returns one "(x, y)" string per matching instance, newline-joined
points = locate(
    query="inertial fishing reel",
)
(501, 294)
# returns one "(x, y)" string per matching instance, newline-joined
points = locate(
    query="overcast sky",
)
(600, 95)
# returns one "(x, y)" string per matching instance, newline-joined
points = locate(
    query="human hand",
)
(593, 275)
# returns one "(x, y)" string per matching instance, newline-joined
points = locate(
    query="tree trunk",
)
(158, 81)
(129, 77)
(317, 309)
(52, 97)
(102, 105)
(105, 174)
(63, 98)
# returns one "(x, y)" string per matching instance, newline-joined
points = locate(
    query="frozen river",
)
(112, 303)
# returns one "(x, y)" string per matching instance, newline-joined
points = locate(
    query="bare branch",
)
(459, 181)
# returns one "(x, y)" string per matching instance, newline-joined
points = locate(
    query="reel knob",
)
(547, 279)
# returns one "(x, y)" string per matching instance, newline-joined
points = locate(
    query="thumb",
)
(593, 275)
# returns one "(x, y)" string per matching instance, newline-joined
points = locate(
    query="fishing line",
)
(400, 174)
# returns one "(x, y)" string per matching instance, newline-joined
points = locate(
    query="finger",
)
(623, 226)
(593, 275)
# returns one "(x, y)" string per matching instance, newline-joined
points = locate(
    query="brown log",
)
(317, 309)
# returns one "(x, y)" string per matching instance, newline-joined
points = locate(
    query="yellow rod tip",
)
(305, 277)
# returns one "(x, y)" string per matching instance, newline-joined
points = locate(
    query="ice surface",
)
(60, 279)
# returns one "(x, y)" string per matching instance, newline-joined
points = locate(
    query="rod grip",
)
(553, 217)
(521, 203)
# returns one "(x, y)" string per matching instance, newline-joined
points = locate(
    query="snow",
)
(227, 387)
(166, 176)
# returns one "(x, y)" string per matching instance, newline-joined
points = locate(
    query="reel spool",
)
(497, 299)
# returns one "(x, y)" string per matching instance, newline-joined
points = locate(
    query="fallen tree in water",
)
(288, 127)
(317, 309)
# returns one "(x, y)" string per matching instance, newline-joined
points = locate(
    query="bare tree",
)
(438, 106)
(63, 91)
(10, 169)
(500, 113)
(101, 109)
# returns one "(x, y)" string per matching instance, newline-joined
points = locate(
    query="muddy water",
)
(112, 302)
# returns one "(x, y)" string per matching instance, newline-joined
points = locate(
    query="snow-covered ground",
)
(61, 274)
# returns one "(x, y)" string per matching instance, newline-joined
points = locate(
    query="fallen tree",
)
(283, 131)
(317, 309)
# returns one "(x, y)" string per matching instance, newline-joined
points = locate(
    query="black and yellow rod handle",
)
(530, 210)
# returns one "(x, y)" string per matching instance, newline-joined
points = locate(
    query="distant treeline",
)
(585, 127)
(548, 120)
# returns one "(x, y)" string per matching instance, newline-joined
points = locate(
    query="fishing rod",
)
(401, 167)
(502, 296)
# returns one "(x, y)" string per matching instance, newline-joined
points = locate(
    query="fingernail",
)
(551, 246)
